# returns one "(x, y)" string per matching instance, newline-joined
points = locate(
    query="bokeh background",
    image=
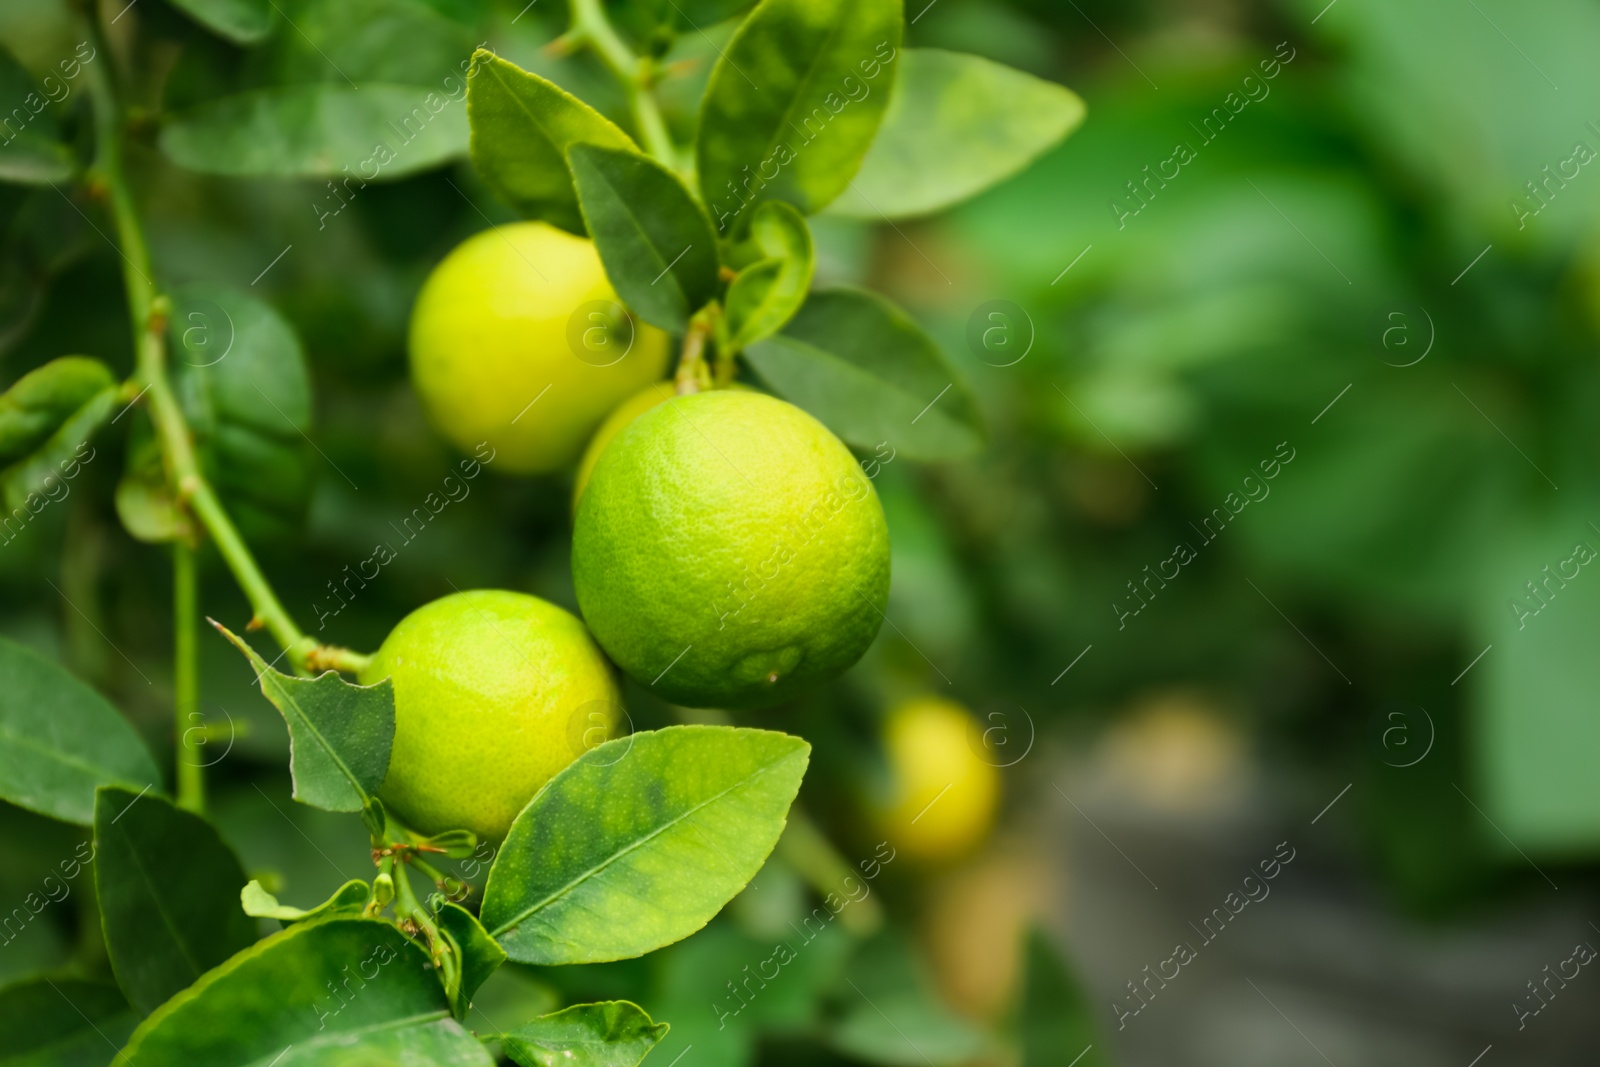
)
(1376, 273)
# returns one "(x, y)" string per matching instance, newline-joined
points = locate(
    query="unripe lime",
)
(942, 795)
(729, 552)
(620, 417)
(512, 343)
(494, 692)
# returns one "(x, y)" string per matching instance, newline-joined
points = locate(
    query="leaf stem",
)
(591, 27)
(190, 772)
(150, 310)
(693, 372)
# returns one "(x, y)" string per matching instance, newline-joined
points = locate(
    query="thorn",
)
(254, 624)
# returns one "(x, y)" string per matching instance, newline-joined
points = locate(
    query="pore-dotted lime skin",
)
(494, 692)
(623, 414)
(729, 552)
(503, 323)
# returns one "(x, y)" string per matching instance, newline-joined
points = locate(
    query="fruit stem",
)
(591, 27)
(150, 310)
(321, 658)
(693, 372)
(190, 772)
(805, 848)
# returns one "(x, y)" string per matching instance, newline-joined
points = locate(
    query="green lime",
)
(625, 412)
(729, 552)
(494, 692)
(516, 340)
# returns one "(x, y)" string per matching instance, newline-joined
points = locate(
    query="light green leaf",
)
(640, 842)
(339, 734)
(60, 740)
(613, 1033)
(861, 366)
(794, 103)
(257, 902)
(145, 502)
(379, 132)
(62, 1022)
(767, 293)
(654, 239)
(338, 991)
(522, 127)
(477, 955)
(241, 379)
(58, 457)
(240, 21)
(957, 125)
(168, 888)
(1056, 1018)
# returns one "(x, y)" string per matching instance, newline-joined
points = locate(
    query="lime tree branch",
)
(186, 676)
(591, 27)
(150, 311)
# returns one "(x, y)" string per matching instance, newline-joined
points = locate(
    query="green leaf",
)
(62, 1022)
(893, 1016)
(60, 740)
(654, 239)
(169, 892)
(477, 955)
(30, 150)
(613, 1033)
(794, 103)
(240, 21)
(339, 734)
(957, 125)
(640, 842)
(46, 420)
(240, 376)
(522, 128)
(768, 292)
(145, 502)
(861, 366)
(257, 902)
(1057, 1022)
(338, 991)
(372, 133)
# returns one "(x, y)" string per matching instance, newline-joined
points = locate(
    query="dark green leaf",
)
(169, 894)
(477, 955)
(257, 902)
(30, 149)
(613, 1033)
(766, 294)
(640, 842)
(859, 364)
(242, 382)
(372, 133)
(1057, 1023)
(60, 740)
(62, 1022)
(240, 21)
(339, 734)
(338, 991)
(522, 128)
(794, 102)
(654, 239)
(957, 125)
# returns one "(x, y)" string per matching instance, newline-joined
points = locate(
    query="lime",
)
(494, 692)
(942, 794)
(517, 339)
(729, 552)
(625, 412)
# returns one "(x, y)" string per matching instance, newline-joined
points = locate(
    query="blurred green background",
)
(1382, 262)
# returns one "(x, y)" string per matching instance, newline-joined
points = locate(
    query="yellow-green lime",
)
(729, 552)
(512, 343)
(624, 413)
(494, 692)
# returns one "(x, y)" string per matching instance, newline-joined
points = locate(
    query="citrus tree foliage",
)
(808, 106)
